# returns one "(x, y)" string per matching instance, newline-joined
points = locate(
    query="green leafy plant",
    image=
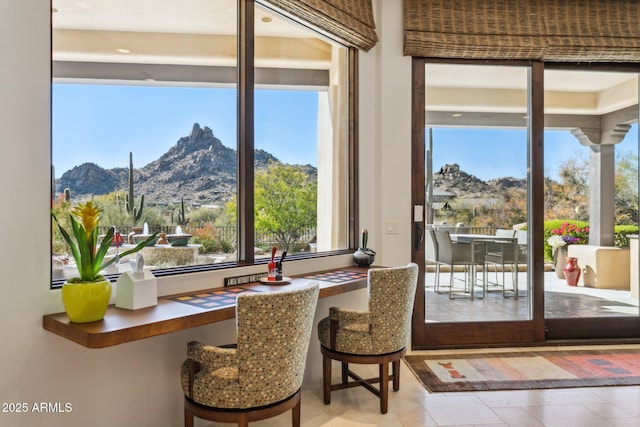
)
(621, 234)
(89, 257)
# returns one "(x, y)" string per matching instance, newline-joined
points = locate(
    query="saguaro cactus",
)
(136, 213)
(182, 216)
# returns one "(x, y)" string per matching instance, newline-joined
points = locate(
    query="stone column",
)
(601, 194)
(602, 178)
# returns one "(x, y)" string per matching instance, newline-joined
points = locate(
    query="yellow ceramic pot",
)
(86, 301)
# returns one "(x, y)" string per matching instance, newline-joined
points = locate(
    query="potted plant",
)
(560, 239)
(364, 256)
(86, 297)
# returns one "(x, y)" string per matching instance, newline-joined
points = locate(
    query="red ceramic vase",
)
(571, 271)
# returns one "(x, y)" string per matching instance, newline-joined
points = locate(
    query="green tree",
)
(285, 203)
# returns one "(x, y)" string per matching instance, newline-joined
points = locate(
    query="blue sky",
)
(491, 153)
(103, 123)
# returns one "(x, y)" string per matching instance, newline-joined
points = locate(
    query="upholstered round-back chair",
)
(261, 376)
(378, 335)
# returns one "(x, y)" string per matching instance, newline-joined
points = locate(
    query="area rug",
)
(526, 370)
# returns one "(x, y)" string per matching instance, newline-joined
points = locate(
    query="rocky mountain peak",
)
(198, 167)
(451, 178)
(198, 139)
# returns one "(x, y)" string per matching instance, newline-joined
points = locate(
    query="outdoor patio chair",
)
(505, 254)
(431, 251)
(459, 254)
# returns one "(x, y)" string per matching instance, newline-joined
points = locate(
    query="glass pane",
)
(152, 87)
(591, 194)
(300, 138)
(477, 184)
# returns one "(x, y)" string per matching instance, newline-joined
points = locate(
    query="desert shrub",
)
(209, 237)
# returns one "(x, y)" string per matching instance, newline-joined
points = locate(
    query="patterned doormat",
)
(522, 370)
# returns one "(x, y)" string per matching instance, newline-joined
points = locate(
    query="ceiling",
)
(169, 16)
(202, 32)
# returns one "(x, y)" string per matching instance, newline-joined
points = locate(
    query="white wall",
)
(137, 383)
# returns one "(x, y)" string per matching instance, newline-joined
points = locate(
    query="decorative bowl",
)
(178, 239)
(137, 238)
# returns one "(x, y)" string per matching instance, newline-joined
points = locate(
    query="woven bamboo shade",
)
(547, 30)
(349, 20)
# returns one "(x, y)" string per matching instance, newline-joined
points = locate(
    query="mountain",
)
(90, 178)
(464, 185)
(201, 169)
(198, 167)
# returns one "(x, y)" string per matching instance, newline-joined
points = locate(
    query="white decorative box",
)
(136, 290)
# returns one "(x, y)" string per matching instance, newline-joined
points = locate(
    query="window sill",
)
(121, 326)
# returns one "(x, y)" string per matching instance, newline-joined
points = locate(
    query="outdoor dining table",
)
(474, 240)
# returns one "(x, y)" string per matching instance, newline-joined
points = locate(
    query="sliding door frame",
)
(472, 334)
(537, 330)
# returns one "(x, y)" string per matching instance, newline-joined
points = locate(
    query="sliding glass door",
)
(591, 203)
(477, 252)
(521, 167)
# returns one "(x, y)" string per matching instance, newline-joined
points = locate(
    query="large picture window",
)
(145, 121)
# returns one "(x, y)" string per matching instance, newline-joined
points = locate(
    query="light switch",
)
(392, 227)
(417, 213)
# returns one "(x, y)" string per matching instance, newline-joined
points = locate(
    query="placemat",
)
(338, 276)
(214, 299)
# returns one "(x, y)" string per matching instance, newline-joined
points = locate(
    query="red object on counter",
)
(271, 274)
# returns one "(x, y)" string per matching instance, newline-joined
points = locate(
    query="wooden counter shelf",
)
(121, 326)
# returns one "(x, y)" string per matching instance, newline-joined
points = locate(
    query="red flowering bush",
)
(572, 234)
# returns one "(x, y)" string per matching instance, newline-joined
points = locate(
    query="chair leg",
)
(345, 372)
(384, 387)
(451, 281)
(243, 421)
(326, 379)
(295, 415)
(437, 284)
(396, 375)
(515, 281)
(188, 418)
(504, 279)
(467, 279)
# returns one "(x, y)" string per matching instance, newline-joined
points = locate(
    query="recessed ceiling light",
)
(266, 19)
(120, 50)
(456, 115)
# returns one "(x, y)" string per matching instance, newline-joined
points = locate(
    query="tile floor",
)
(561, 301)
(414, 406)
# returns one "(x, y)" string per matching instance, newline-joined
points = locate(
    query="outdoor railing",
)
(225, 233)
